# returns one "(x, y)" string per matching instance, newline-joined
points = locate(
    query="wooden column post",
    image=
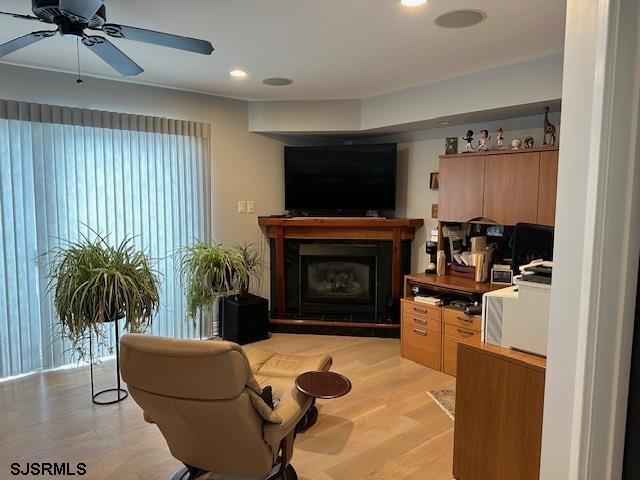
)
(396, 264)
(280, 270)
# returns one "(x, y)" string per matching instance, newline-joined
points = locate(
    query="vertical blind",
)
(65, 172)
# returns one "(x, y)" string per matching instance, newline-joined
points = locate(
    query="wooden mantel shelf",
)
(361, 222)
(395, 230)
(353, 228)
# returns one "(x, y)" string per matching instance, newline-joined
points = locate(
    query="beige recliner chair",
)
(205, 397)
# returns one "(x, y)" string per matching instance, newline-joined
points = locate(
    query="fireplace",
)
(338, 276)
(338, 279)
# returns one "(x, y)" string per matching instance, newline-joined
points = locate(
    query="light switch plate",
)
(242, 206)
(251, 206)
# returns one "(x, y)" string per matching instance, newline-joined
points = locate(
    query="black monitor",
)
(531, 242)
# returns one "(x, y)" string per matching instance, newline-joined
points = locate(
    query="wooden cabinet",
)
(461, 187)
(457, 326)
(511, 188)
(499, 406)
(421, 333)
(547, 187)
(507, 187)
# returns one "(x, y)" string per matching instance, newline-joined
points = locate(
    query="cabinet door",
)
(460, 193)
(547, 187)
(511, 188)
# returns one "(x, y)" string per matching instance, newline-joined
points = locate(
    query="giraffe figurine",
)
(549, 129)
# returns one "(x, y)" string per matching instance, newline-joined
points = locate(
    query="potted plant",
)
(210, 271)
(252, 258)
(94, 283)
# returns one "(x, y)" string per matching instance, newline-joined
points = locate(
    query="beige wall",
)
(245, 166)
(418, 156)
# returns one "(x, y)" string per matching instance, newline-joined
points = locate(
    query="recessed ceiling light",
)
(238, 73)
(277, 81)
(413, 3)
(460, 18)
(445, 122)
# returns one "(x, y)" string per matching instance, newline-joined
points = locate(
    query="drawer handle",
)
(465, 333)
(419, 320)
(465, 319)
(420, 309)
(420, 332)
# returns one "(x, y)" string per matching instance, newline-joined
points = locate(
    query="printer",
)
(518, 316)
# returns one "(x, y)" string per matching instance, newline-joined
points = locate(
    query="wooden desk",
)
(448, 283)
(499, 406)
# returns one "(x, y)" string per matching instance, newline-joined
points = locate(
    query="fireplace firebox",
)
(338, 278)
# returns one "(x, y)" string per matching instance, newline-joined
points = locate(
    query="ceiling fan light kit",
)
(73, 17)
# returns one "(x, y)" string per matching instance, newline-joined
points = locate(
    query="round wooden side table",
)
(325, 385)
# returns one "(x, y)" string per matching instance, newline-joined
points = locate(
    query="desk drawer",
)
(450, 347)
(459, 332)
(458, 318)
(410, 320)
(422, 346)
(427, 311)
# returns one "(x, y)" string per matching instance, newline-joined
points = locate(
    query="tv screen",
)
(345, 178)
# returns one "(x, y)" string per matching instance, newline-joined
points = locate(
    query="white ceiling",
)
(333, 49)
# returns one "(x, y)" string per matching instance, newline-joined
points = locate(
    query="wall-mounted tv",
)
(343, 179)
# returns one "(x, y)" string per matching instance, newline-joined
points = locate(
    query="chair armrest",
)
(291, 408)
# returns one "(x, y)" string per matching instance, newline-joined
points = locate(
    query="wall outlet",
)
(251, 206)
(242, 206)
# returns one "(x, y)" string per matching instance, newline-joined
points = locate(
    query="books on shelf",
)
(436, 301)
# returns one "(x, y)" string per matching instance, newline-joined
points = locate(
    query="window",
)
(65, 171)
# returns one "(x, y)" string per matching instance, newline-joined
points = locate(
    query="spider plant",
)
(94, 283)
(209, 271)
(252, 257)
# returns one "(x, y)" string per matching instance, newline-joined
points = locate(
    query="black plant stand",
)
(122, 393)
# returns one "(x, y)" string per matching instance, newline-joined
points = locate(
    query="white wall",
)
(418, 156)
(245, 166)
(510, 87)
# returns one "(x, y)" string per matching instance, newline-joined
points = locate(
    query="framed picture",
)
(433, 181)
(434, 210)
(451, 146)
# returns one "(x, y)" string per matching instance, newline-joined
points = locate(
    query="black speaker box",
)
(244, 320)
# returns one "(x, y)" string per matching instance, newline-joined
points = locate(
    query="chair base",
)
(187, 472)
(309, 420)
(191, 473)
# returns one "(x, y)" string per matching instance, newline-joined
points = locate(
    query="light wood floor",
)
(386, 428)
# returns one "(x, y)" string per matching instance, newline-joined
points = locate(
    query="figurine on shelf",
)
(469, 139)
(516, 143)
(549, 129)
(500, 138)
(528, 142)
(483, 141)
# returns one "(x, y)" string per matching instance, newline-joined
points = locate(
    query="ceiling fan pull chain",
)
(79, 79)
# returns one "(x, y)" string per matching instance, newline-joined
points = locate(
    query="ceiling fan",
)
(72, 17)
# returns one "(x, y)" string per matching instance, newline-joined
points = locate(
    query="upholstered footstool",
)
(280, 372)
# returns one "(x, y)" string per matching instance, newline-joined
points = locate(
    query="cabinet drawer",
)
(428, 311)
(450, 347)
(460, 332)
(420, 321)
(422, 346)
(458, 318)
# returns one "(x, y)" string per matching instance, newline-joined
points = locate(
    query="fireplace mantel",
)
(394, 230)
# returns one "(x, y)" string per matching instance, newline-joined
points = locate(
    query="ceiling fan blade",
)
(158, 38)
(111, 54)
(81, 8)
(24, 41)
(20, 16)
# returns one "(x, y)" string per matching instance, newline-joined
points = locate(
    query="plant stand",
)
(122, 393)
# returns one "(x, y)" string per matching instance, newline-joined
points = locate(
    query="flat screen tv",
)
(340, 180)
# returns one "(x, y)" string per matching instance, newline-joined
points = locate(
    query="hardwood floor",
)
(386, 428)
